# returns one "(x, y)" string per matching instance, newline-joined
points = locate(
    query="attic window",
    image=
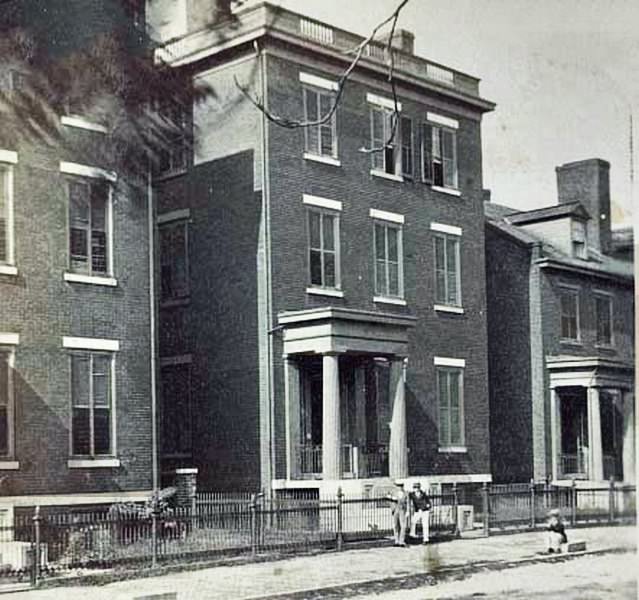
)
(579, 239)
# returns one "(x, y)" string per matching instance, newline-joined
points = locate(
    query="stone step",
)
(579, 546)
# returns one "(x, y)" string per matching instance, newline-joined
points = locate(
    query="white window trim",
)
(321, 202)
(449, 309)
(446, 361)
(442, 120)
(8, 270)
(453, 449)
(440, 234)
(9, 158)
(383, 102)
(383, 215)
(319, 82)
(400, 299)
(86, 343)
(174, 215)
(385, 175)
(449, 229)
(90, 279)
(445, 190)
(320, 291)
(610, 297)
(93, 463)
(576, 290)
(390, 300)
(9, 465)
(10, 341)
(70, 168)
(327, 160)
(82, 123)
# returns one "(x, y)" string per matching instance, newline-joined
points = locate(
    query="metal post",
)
(486, 508)
(340, 530)
(36, 550)
(532, 503)
(573, 503)
(457, 530)
(611, 500)
(155, 509)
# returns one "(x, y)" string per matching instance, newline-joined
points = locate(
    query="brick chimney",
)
(588, 182)
(403, 40)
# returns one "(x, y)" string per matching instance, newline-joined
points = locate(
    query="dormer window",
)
(579, 239)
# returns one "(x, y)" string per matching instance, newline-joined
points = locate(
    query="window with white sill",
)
(439, 156)
(174, 260)
(320, 139)
(450, 400)
(389, 268)
(391, 142)
(447, 270)
(173, 155)
(569, 314)
(6, 225)
(6, 403)
(323, 249)
(603, 314)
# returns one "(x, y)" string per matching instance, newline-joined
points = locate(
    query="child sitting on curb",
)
(556, 532)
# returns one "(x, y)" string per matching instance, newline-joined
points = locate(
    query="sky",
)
(564, 75)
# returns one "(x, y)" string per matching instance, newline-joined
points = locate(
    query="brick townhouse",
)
(561, 335)
(322, 307)
(75, 343)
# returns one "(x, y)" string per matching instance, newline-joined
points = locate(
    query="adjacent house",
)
(322, 301)
(560, 295)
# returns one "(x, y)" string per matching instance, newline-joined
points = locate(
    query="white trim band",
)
(389, 300)
(443, 361)
(452, 449)
(87, 171)
(174, 215)
(385, 175)
(81, 123)
(8, 270)
(8, 156)
(92, 279)
(318, 291)
(319, 82)
(383, 102)
(442, 120)
(9, 465)
(449, 309)
(93, 463)
(86, 343)
(445, 190)
(321, 202)
(9, 339)
(327, 160)
(442, 228)
(383, 215)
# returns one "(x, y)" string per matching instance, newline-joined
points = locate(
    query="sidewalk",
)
(299, 574)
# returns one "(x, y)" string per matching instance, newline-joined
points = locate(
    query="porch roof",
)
(589, 371)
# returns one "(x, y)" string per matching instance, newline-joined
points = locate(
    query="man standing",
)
(420, 505)
(400, 513)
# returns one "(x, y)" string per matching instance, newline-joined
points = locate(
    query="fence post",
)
(611, 500)
(532, 503)
(486, 508)
(573, 502)
(155, 510)
(36, 550)
(340, 525)
(457, 531)
(254, 524)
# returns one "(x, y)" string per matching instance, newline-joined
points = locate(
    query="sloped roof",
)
(547, 213)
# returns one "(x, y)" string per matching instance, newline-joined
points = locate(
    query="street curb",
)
(404, 582)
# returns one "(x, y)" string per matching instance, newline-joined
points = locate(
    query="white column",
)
(331, 434)
(629, 473)
(293, 441)
(595, 459)
(555, 433)
(398, 450)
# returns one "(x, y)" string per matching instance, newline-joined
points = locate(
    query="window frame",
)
(179, 362)
(576, 243)
(90, 182)
(446, 237)
(317, 152)
(399, 227)
(428, 151)
(164, 225)
(91, 352)
(177, 115)
(7, 161)
(447, 445)
(335, 214)
(387, 125)
(601, 295)
(9, 351)
(575, 293)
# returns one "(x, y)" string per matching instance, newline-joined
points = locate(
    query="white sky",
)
(564, 75)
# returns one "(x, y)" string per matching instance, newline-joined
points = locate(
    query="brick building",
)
(561, 335)
(322, 308)
(75, 334)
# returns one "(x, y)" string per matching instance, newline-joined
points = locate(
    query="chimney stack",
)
(588, 182)
(403, 40)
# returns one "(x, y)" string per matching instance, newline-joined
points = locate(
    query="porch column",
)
(398, 451)
(293, 399)
(360, 419)
(628, 455)
(331, 434)
(595, 458)
(555, 433)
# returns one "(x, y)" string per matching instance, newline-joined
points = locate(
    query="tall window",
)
(387, 160)
(174, 260)
(323, 247)
(177, 435)
(6, 399)
(447, 270)
(91, 400)
(439, 156)
(5, 250)
(579, 239)
(603, 309)
(173, 156)
(451, 406)
(406, 132)
(321, 140)
(569, 301)
(89, 205)
(388, 260)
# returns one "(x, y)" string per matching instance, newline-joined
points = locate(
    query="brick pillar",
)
(186, 486)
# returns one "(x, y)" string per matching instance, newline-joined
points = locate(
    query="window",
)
(5, 250)
(92, 403)
(451, 406)
(6, 402)
(176, 410)
(174, 260)
(447, 270)
(173, 156)
(320, 140)
(388, 260)
(439, 156)
(569, 300)
(89, 215)
(406, 132)
(323, 237)
(383, 135)
(578, 239)
(603, 309)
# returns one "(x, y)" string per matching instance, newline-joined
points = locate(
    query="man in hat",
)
(400, 513)
(420, 505)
